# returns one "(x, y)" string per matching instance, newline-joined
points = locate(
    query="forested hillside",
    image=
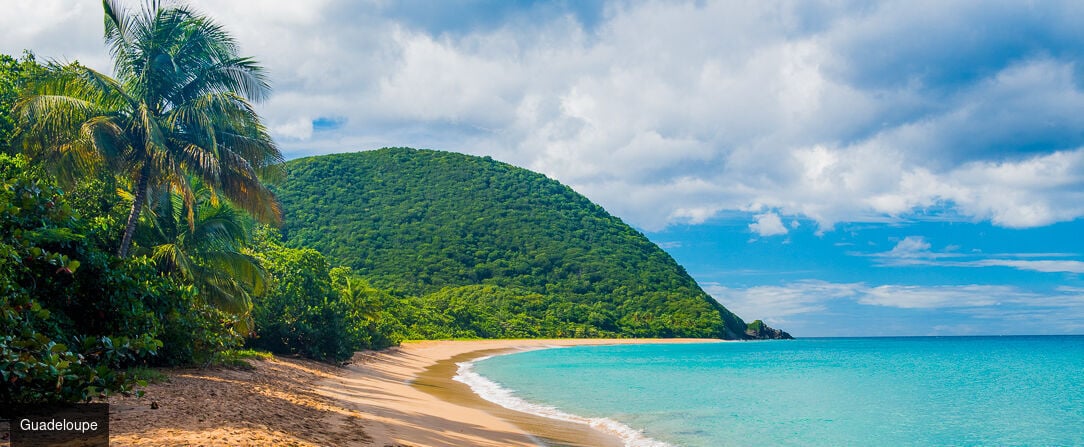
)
(491, 249)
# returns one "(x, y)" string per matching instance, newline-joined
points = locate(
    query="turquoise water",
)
(936, 391)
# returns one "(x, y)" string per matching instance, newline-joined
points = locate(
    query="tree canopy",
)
(426, 223)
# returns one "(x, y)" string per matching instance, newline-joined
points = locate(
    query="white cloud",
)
(793, 300)
(911, 247)
(1032, 192)
(299, 129)
(670, 112)
(925, 297)
(1046, 266)
(436, 81)
(55, 30)
(774, 303)
(768, 224)
(915, 250)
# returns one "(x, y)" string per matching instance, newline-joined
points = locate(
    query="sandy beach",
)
(403, 396)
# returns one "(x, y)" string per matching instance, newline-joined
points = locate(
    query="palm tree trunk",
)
(137, 207)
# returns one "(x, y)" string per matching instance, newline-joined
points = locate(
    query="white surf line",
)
(494, 392)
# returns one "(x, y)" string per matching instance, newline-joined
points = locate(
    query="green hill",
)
(496, 249)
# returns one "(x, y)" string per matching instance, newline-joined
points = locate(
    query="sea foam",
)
(494, 392)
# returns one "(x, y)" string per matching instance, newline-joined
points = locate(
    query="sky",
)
(838, 168)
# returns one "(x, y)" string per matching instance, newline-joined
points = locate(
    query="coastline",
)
(408, 397)
(399, 397)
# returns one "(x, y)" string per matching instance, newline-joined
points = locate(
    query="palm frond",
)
(241, 184)
(177, 107)
(108, 138)
(112, 95)
(171, 258)
(224, 293)
(201, 161)
(118, 24)
(234, 75)
(242, 267)
(63, 120)
(220, 223)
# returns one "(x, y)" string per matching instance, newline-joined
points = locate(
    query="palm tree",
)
(208, 253)
(178, 105)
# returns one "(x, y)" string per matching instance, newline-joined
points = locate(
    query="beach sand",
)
(403, 396)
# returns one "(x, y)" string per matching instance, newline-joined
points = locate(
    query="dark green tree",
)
(15, 74)
(301, 313)
(371, 312)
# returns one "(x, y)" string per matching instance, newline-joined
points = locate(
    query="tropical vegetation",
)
(129, 209)
(491, 250)
(15, 74)
(141, 225)
(177, 109)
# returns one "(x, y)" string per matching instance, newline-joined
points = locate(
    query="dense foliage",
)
(205, 244)
(172, 129)
(308, 312)
(488, 311)
(425, 223)
(72, 315)
(15, 74)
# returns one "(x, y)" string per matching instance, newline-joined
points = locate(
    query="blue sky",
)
(884, 279)
(834, 168)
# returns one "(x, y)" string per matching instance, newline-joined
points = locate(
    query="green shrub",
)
(371, 321)
(245, 354)
(63, 341)
(72, 315)
(300, 313)
(196, 333)
(238, 358)
(147, 375)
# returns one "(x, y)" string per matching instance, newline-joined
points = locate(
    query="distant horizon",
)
(941, 336)
(887, 169)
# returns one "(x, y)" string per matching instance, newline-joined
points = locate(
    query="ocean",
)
(908, 391)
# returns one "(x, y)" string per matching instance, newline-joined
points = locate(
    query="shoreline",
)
(438, 380)
(399, 397)
(408, 397)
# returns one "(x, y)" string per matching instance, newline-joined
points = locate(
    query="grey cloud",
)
(674, 112)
